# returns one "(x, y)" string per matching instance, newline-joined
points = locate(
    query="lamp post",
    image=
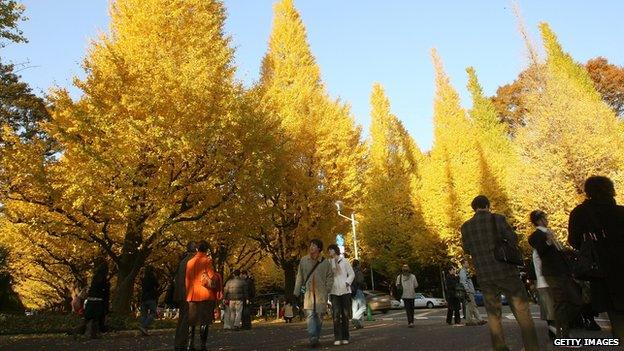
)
(353, 221)
(339, 205)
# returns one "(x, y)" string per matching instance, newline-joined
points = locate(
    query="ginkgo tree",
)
(160, 137)
(318, 153)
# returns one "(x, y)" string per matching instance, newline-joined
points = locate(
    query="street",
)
(387, 332)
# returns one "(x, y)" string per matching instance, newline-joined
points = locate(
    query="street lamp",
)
(339, 205)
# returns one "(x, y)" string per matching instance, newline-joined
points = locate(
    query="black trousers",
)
(567, 302)
(181, 335)
(409, 310)
(341, 313)
(246, 316)
(453, 309)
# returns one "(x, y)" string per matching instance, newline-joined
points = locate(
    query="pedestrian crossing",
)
(440, 314)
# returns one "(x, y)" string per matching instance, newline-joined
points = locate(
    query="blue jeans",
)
(315, 324)
(148, 313)
(359, 306)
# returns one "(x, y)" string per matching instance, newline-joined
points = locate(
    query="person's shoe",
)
(411, 325)
(592, 325)
(337, 343)
(314, 342)
(345, 342)
(143, 331)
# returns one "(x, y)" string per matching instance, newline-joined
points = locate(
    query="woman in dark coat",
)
(96, 304)
(452, 300)
(599, 214)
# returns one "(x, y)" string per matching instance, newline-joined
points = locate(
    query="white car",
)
(421, 301)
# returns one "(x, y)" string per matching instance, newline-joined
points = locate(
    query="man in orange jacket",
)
(203, 288)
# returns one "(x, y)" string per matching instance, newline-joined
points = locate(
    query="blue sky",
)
(356, 43)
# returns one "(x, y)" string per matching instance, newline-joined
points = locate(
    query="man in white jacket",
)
(406, 284)
(340, 294)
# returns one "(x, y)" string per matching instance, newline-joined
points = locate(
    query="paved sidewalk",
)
(387, 332)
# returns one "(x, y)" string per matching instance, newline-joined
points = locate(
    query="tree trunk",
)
(130, 262)
(290, 274)
(126, 275)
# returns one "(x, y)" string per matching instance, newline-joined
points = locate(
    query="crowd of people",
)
(595, 232)
(584, 280)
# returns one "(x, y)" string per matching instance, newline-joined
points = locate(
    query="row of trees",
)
(165, 146)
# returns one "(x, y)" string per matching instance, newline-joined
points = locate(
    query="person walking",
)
(179, 297)
(235, 292)
(600, 217)
(544, 298)
(251, 294)
(202, 290)
(315, 280)
(358, 304)
(471, 315)
(96, 303)
(565, 292)
(340, 294)
(453, 300)
(149, 299)
(406, 284)
(480, 236)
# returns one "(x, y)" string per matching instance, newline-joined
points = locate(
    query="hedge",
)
(49, 323)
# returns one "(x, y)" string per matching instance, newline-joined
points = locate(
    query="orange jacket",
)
(195, 291)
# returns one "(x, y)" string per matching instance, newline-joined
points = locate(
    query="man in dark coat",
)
(179, 296)
(480, 235)
(452, 300)
(251, 293)
(600, 215)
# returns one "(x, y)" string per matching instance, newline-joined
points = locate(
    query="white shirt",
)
(343, 275)
(537, 263)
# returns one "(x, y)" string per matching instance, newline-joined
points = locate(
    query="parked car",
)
(421, 301)
(480, 302)
(378, 301)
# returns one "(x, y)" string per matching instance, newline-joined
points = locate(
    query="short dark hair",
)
(236, 273)
(480, 202)
(335, 248)
(355, 263)
(202, 246)
(599, 188)
(536, 215)
(318, 243)
(191, 246)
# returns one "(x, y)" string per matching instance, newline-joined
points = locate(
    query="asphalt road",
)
(387, 332)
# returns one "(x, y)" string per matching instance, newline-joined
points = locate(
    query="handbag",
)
(505, 251)
(207, 282)
(460, 293)
(400, 286)
(585, 262)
